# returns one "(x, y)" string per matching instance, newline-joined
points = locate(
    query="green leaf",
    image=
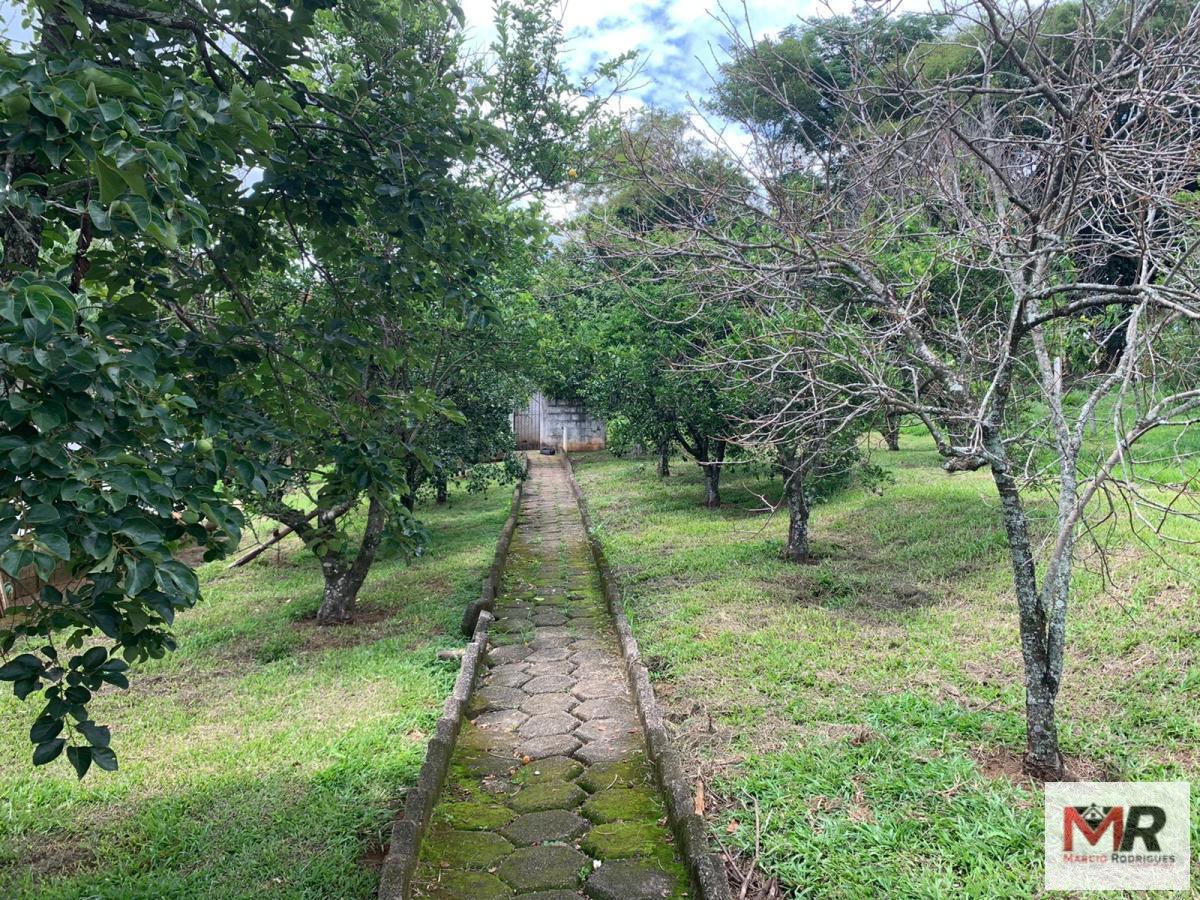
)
(140, 576)
(97, 735)
(22, 667)
(94, 657)
(40, 306)
(111, 110)
(105, 758)
(56, 542)
(81, 759)
(48, 751)
(41, 514)
(112, 185)
(44, 729)
(142, 531)
(139, 209)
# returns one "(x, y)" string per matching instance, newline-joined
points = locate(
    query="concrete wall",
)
(555, 420)
(567, 423)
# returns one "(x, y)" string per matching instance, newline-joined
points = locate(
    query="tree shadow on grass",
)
(276, 833)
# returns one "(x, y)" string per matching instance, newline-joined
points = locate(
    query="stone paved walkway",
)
(550, 795)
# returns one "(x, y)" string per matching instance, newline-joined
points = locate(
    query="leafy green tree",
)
(127, 132)
(224, 228)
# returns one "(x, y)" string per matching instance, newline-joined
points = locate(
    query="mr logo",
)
(1118, 835)
(1139, 823)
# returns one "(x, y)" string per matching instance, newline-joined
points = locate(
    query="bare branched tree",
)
(994, 231)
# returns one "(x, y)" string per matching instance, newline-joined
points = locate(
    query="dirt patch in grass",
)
(856, 584)
(1001, 763)
(363, 628)
(44, 856)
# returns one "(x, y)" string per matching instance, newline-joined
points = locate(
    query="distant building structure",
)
(546, 422)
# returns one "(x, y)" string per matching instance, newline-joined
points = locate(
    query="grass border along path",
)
(858, 723)
(266, 757)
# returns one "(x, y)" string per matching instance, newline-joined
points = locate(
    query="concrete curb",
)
(705, 867)
(404, 849)
(491, 584)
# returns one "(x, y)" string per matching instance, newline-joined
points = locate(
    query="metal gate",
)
(527, 424)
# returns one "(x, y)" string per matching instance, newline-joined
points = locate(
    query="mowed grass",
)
(867, 710)
(266, 756)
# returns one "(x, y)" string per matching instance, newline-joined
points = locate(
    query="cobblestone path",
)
(550, 795)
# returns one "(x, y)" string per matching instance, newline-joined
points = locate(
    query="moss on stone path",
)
(550, 793)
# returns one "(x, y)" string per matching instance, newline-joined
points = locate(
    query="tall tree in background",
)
(233, 238)
(126, 136)
(641, 331)
(938, 231)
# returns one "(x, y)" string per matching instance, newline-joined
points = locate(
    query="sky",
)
(677, 42)
(675, 39)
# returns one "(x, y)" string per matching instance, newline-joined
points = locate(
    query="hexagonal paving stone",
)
(553, 631)
(547, 703)
(550, 745)
(550, 723)
(604, 708)
(623, 805)
(506, 668)
(513, 625)
(601, 660)
(482, 763)
(562, 768)
(496, 697)
(458, 885)
(508, 653)
(592, 644)
(549, 684)
(606, 751)
(623, 840)
(472, 738)
(594, 688)
(509, 679)
(616, 730)
(503, 719)
(543, 868)
(550, 643)
(558, 667)
(549, 825)
(473, 816)
(465, 849)
(629, 879)
(542, 795)
(630, 772)
(548, 654)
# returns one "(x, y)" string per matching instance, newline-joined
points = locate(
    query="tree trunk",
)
(796, 550)
(664, 460)
(1043, 759)
(342, 579)
(443, 490)
(891, 430)
(712, 476)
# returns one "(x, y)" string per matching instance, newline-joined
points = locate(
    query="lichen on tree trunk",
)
(1043, 758)
(344, 578)
(797, 547)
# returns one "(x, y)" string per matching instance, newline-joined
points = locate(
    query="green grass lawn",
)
(265, 757)
(868, 709)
